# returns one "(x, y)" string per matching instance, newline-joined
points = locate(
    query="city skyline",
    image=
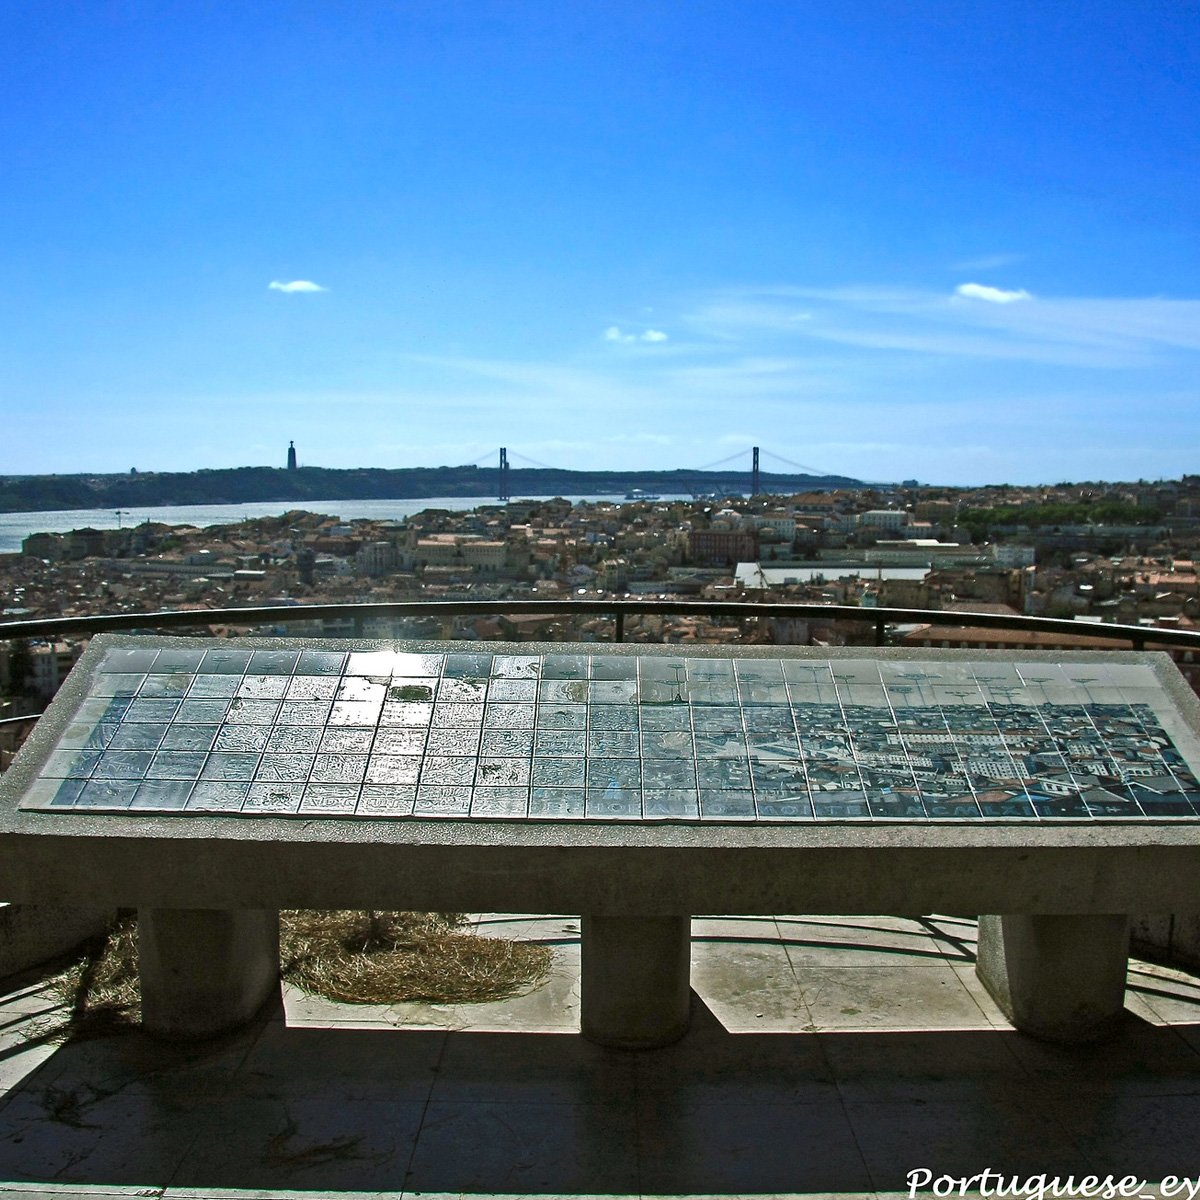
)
(888, 242)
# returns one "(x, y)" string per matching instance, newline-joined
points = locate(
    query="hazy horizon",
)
(733, 469)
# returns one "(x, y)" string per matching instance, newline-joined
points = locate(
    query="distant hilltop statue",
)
(291, 456)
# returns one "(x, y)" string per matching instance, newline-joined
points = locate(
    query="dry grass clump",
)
(355, 957)
(100, 991)
(384, 957)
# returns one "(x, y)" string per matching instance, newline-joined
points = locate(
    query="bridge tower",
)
(504, 496)
(754, 489)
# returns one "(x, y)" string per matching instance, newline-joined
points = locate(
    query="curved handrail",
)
(1137, 635)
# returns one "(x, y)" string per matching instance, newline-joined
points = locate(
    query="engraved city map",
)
(613, 737)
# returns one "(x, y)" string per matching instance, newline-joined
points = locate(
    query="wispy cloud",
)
(296, 285)
(987, 262)
(993, 295)
(1070, 331)
(614, 334)
(876, 382)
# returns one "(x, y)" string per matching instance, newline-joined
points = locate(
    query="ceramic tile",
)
(265, 797)
(246, 738)
(755, 739)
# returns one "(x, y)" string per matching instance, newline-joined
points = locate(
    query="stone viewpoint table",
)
(210, 783)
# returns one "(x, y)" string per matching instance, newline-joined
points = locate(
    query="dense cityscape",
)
(1093, 552)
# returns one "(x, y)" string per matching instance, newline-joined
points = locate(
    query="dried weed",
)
(385, 957)
(351, 956)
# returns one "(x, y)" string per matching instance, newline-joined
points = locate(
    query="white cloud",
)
(614, 334)
(296, 285)
(980, 291)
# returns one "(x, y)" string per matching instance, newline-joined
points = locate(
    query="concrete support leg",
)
(205, 971)
(636, 991)
(1057, 978)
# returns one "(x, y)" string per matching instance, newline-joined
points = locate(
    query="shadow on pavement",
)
(384, 1110)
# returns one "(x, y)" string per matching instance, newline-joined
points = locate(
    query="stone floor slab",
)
(712, 1067)
(874, 998)
(924, 1066)
(531, 1068)
(551, 930)
(1012, 1130)
(789, 1148)
(749, 987)
(302, 1009)
(316, 1144)
(744, 930)
(63, 1134)
(1145, 1135)
(526, 1148)
(853, 942)
(380, 1064)
(973, 986)
(1171, 997)
(1144, 1060)
(775, 1091)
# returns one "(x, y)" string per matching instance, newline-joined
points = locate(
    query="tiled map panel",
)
(614, 738)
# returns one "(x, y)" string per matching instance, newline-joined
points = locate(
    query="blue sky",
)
(952, 241)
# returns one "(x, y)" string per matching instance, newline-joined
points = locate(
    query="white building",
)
(465, 551)
(785, 527)
(884, 518)
(485, 556)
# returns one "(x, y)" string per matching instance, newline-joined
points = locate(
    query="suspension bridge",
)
(731, 473)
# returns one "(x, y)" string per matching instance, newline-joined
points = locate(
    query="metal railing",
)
(12, 725)
(1138, 636)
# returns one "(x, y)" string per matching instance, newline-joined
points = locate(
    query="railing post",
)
(619, 635)
(880, 632)
(1139, 643)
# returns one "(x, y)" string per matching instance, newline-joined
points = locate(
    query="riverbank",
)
(15, 527)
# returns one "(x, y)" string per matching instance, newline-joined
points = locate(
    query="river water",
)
(15, 527)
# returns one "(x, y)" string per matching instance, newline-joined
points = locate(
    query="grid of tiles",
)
(482, 736)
